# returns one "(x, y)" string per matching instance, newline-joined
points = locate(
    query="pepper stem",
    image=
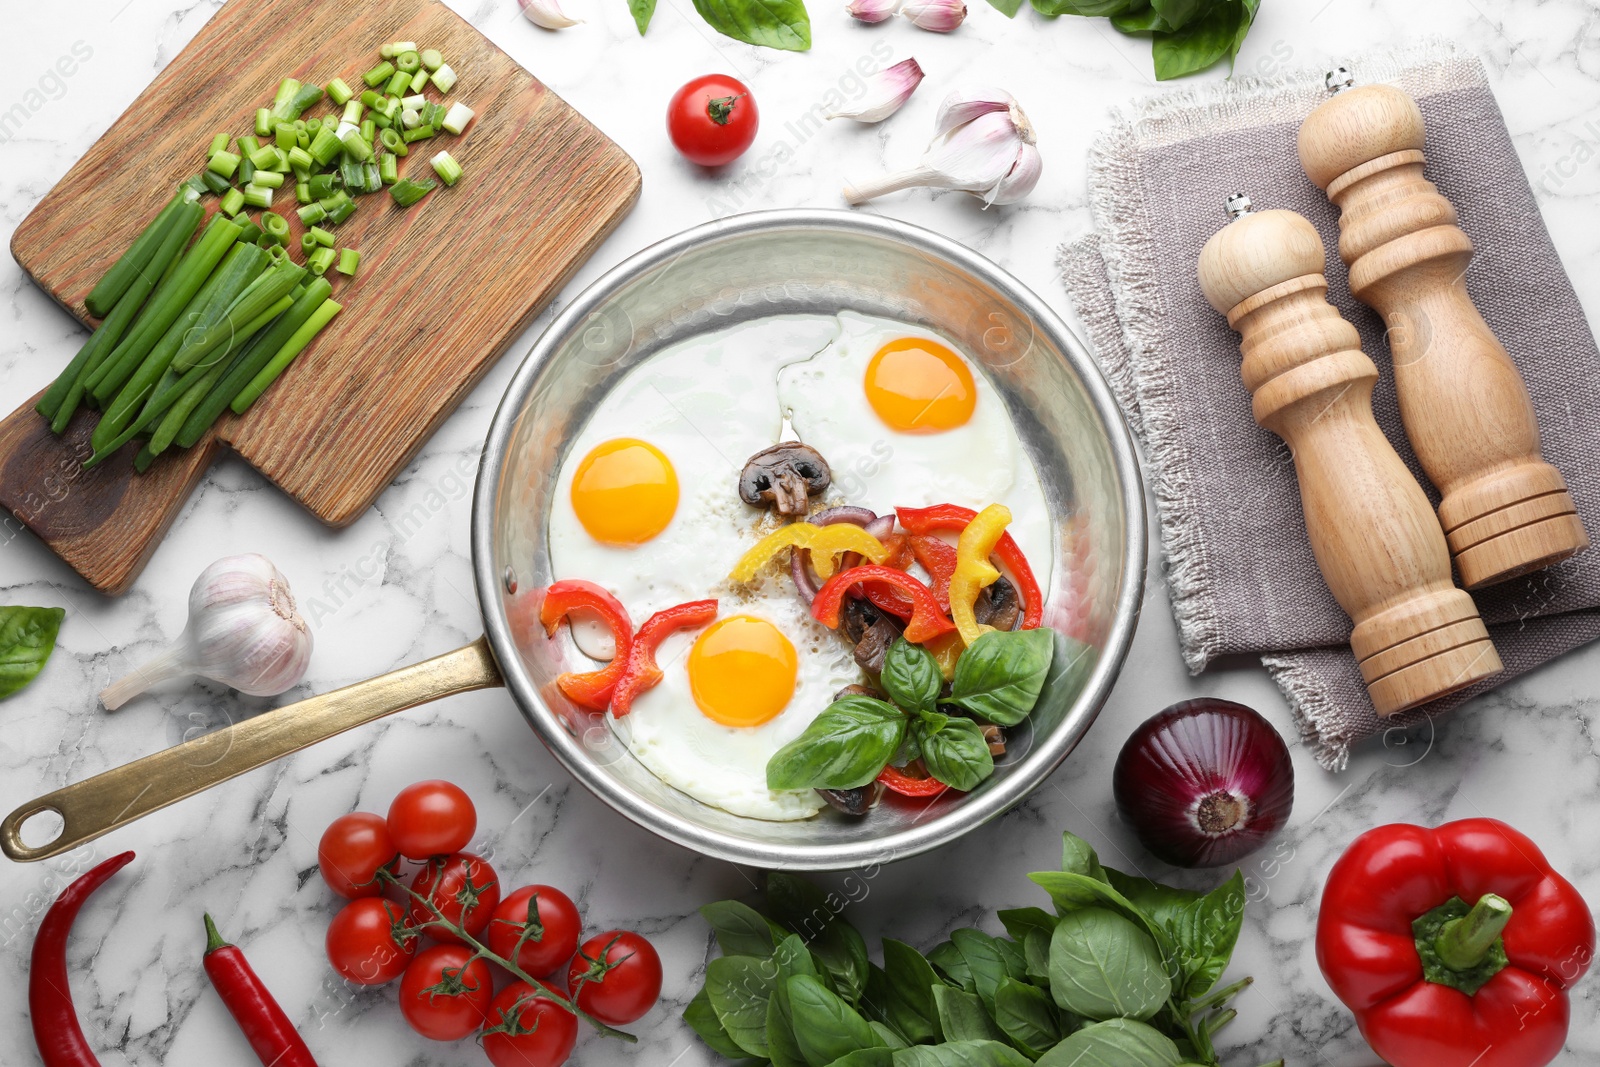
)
(214, 939)
(1463, 943)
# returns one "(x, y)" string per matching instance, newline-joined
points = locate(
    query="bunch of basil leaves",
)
(27, 637)
(998, 678)
(1122, 974)
(1185, 35)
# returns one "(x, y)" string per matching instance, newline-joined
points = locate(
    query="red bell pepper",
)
(592, 689)
(898, 781)
(953, 518)
(1454, 947)
(927, 621)
(642, 672)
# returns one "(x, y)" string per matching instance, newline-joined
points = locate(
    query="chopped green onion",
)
(264, 122)
(247, 171)
(219, 143)
(414, 101)
(195, 185)
(286, 136)
(285, 98)
(408, 191)
(386, 50)
(215, 182)
(431, 59)
(321, 236)
(248, 144)
(444, 79)
(303, 97)
(266, 157)
(419, 79)
(312, 214)
(456, 119)
(374, 177)
(286, 355)
(276, 226)
(223, 163)
(323, 185)
(232, 202)
(339, 92)
(313, 125)
(445, 166)
(408, 62)
(320, 260)
(410, 118)
(265, 179)
(421, 133)
(248, 230)
(325, 146)
(403, 46)
(353, 111)
(369, 130)
(378, 75)
(299, 159)
(392, 141)
(399, 83)
(357, 146)
(349, 260)
(372, 98)
(342, 211)
(302, 193)
(308, 243)
(389, 170)
(260, 196)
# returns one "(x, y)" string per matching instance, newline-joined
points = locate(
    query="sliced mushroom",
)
(784, 477)
(995, 737)
(871, 631)
(857, 691)
(857, 801)
(998, 605)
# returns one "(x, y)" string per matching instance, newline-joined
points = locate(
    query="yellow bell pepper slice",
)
(973, 569)
(825, 542)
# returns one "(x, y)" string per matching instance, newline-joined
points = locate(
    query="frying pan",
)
(708, 278)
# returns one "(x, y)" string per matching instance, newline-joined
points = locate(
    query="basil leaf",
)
(947, 959)
(1114, 1043)
(27, 637)
(739, 988)
(909, 1006)
(911, 676)
(866, 1057)
(990, 960)
(955, 751)
(1199, 44)
(1178, 13)
(1008, 8)
(772, 23)
(702, 1019)
(963, 1017)
(791, 958)
(1102, 966)
(1000, 675)
(814, 915)
(825, 1027)
(961, 1054)
(1019, 921)
(1160, 903)
(1141, 24)
(1036, 952)
(1205, 932)
(642, 12)
(845, 747)
(888, 1035)
(1078, 857)
(1090, 8)
(1247, 18)
(1027, 1015)
(742, 930)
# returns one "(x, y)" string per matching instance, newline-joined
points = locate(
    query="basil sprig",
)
(782, 24)
(1120, 975)
(999, 679)
(27, 637)
(1185, 35)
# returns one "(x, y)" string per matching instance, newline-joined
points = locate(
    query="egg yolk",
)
(742, 671)
(625, 491)
(920, 386)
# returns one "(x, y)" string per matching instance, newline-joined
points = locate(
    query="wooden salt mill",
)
(1505, 511)
(1417, 637)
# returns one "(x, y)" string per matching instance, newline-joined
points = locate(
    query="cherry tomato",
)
(463, 887)
(431, 819)
(536, 1031)
(616, 977)
(353, 849)
(554, 944)
(712, 120)
(368, 942)
(445, 997)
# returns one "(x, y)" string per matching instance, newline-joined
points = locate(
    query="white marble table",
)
(383, 598)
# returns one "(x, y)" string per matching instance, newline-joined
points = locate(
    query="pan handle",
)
(100, 804)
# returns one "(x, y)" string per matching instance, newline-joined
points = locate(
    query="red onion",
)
(800, 559)
(1204, 783)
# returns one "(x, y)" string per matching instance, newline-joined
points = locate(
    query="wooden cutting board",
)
(443, 287)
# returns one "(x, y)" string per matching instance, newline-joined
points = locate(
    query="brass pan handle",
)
(116, 797)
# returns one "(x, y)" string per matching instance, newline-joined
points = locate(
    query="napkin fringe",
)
(1314, 713)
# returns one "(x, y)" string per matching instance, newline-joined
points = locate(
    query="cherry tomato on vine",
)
(443, 995)
(353, 849)
(712, 120)
(431, 818)
(528, 1030)
(463, 887)
(368, 943)
(616, 977)
(555, 938)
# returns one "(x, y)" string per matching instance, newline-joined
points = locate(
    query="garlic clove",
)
(960, 108)
(1021, 179)
(547, 14)
(887, 91)
(872, 10)
(937, 16)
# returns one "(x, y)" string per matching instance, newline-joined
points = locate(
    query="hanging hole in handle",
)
(41, 828)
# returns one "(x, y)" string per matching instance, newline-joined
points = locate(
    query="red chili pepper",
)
(1454, 946)
(592, 689)
(897, 781)
(641, 671)
(954, 518)
(272, 1036)
(55, 1021)
(927, 621)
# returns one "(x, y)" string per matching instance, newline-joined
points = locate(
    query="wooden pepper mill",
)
(1505, 511)
(1417, 637)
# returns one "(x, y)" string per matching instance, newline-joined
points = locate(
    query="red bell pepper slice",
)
(884, 597)
(642, 672)
(592, 689)
(954, 518)
(897, 781)
(1454, 946)
(927, 621)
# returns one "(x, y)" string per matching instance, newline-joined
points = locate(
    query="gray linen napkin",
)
(1240, 570)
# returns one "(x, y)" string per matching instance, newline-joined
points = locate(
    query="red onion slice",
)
(800, 558)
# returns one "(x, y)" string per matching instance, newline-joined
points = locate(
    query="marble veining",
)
(396, 585)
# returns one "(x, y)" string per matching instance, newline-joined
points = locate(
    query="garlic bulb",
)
(983, 145)
(939, 16)
(872, 10)
(243, 631)
(886, 91)
(546, 13)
